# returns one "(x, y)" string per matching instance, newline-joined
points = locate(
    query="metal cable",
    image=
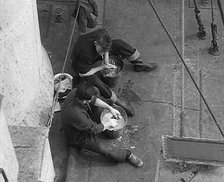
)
(221, 10)
(165, 29)
(55, 99)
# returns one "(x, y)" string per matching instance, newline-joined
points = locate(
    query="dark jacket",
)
(84, 53)
(76, 121)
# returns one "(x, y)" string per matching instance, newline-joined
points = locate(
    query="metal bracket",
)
(2, 171)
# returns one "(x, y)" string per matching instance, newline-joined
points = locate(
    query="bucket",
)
(65, 86)
(119, 130)
(113, 79)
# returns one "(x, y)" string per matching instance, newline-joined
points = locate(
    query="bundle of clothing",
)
(88, 14)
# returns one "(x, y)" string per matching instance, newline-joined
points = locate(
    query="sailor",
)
(96, 47)
(82, 129)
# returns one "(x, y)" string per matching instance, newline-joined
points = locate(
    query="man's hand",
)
(115, 113)
(109, 124)
(107, 66)
(110, 66)
(107, 63)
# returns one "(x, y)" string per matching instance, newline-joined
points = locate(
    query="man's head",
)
(103, 41)
(85, 91)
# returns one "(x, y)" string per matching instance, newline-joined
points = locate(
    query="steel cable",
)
(179, 54)
(55, 99)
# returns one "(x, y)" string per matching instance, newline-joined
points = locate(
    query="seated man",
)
(96, 46)
(80, 129)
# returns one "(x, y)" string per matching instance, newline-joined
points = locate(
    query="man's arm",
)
(92, 71)
(96, 69)
(86, 123)
(100, 103)
(95, 7)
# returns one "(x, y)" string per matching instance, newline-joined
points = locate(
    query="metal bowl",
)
(65, 86)
(112, 79)
(116, 132)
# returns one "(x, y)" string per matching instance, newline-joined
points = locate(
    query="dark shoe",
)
(134, 160)
(126, 106)
(145, 67)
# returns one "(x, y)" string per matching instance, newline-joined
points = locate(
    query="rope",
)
(175, 76)
(175, 47)
(182, 72)
(175, 125)
(55, 99)
(212, 11)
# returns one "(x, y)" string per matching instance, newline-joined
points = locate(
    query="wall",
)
(8, 159)
(26, 75)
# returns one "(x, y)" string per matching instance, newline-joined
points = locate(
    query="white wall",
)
(8, 159)
(26, 77)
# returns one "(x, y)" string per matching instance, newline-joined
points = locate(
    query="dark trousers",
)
(92, 142)
(96, 81)
(121, 48)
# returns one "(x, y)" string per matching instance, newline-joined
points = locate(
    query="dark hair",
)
(85, 91)
(104, 39)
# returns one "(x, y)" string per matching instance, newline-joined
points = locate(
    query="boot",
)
(126, 106)
(134, 160)
(145, 67)
(140, 66)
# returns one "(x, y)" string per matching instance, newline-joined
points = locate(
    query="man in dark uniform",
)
(96, 46)
(81, 130)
